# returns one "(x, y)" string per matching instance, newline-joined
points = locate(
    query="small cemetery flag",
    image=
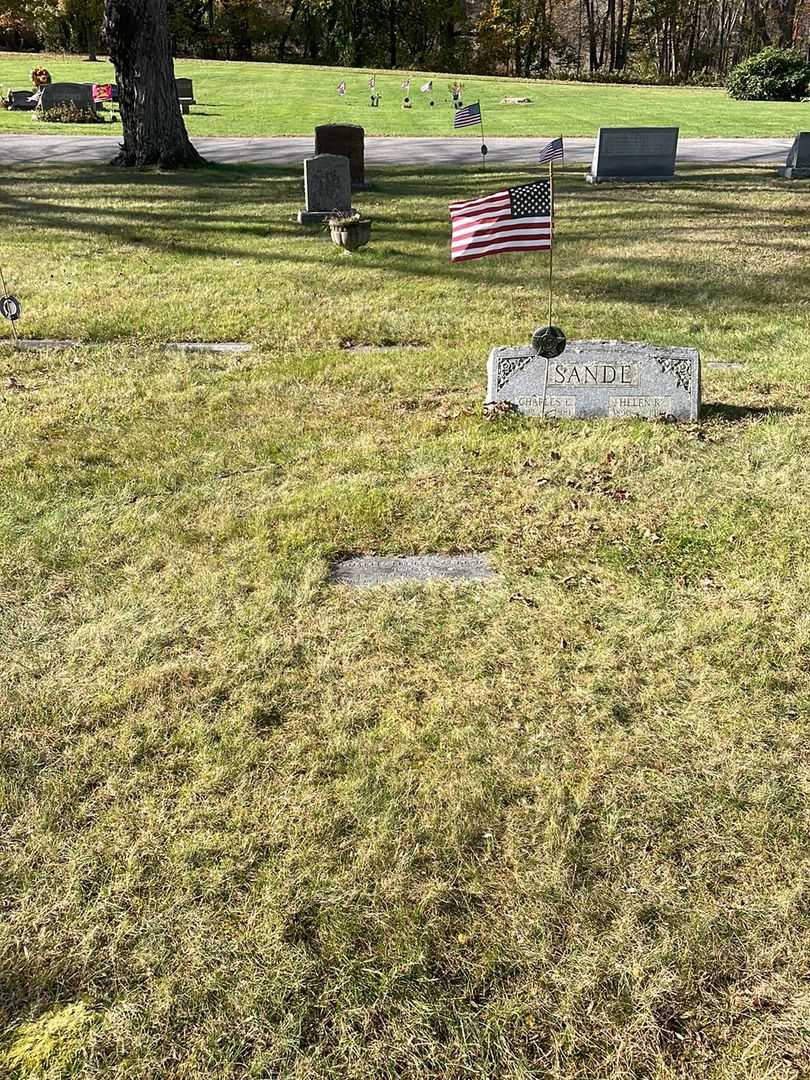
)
(105, 92)
(372, 82)
(517, 219)
(406, 85)
(468, 116)
(341, 88)
(427, 87)
(553, 151)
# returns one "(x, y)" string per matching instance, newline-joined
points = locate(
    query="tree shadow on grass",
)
(215, 212)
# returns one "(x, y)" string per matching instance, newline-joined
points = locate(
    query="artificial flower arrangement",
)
(40, 77)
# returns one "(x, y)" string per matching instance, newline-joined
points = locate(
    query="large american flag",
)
(468, 116)
(517, 219)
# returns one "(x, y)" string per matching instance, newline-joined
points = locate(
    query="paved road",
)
(80, 149)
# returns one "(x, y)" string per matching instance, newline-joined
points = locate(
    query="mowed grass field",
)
(256, 825)
(248, 99)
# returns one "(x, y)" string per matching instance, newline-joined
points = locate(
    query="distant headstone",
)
(594, 379)
(347, 140)
(185, 93)
(642, 153)
(80, 94)
(327, 188)
(797, 165)
(20, 100)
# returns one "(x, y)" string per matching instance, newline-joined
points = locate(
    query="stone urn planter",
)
(350, 233)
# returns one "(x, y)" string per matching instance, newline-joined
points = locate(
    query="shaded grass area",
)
(252, 825)
(242, 98)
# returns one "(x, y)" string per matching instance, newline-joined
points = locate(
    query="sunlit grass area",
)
(253, 824)
(240, 98)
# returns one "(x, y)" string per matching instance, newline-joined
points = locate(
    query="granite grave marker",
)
(594, 379)
(80, 94)
(641, 153)
(327, 188)
(797, 165)
(347, 140)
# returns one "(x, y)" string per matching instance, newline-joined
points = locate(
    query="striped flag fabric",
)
(553, 151)
(468, 116)
(516, 219)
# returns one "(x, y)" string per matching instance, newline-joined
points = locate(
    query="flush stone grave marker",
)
(597, 379)
(327, 188)
(642, 153)
(797, 165)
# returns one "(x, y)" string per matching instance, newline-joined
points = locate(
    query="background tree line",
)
(655, 40)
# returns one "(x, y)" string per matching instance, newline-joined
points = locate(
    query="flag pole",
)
(483, 144)
(551, 244)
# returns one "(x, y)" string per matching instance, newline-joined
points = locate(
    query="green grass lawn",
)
(288, 99)
(254, 825)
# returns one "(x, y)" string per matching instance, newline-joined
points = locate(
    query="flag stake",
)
(551, 246)
(483, 144)
(5, 293)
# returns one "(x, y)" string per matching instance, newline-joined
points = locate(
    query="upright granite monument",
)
(797, 165)
(593, 379)
(642, 153)
(80, 94)
(348, 140)
(327, 188)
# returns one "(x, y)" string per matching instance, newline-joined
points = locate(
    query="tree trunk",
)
(137, 33)
(392, 34)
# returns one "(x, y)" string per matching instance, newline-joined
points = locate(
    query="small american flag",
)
(372, 82)
(427, 87)
(553, 151)
(468, 116)
(406, 85)
(341, 88)
(517, 219)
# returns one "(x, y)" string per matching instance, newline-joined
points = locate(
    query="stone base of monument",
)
(597, 379)
(317, 217)
(790, 172)
(647, 178)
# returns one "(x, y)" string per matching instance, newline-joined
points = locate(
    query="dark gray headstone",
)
(594, 379)
(797, 165)
(80, 94)
(641, 153)
(185, 93)
(348, 140)
(20, 100)
(327, 188)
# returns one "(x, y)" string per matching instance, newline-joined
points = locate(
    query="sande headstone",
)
(597, 379)
(348, 140)
(80, 94)
(797, 165)
(641, 153)
(327, 188)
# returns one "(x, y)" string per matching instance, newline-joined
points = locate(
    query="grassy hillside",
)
(253, 825)
(272, 99)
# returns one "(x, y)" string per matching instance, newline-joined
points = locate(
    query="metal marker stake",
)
(5, 293)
